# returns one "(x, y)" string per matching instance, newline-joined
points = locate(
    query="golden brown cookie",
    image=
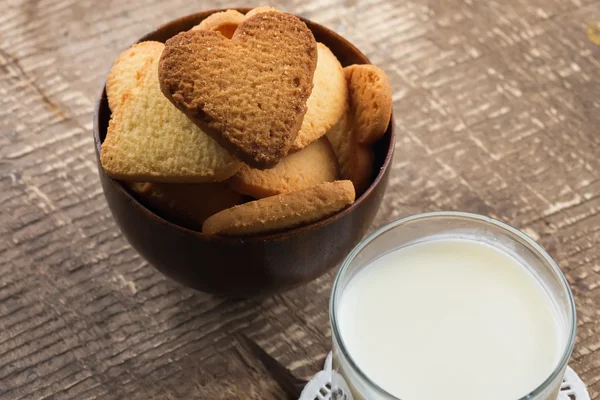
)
(370, 97)
(360, 167)
(124, 73)
(327, 102)
(284, 211)
(310, 166)
(186, 204)
(250, 92)
(259, 10)
(149, 140)
(355, 160)
(225, 22)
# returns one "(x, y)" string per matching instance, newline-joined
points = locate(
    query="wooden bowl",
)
(245, 266)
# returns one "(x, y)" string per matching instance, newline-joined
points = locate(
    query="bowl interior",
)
(344, 51)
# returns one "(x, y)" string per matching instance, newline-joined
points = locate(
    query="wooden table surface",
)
(498, 111)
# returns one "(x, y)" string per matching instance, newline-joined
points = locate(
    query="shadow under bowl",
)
(245, 266)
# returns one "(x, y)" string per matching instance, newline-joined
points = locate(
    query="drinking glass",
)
(348, 375)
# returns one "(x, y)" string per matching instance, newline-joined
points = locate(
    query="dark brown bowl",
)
(245, 266)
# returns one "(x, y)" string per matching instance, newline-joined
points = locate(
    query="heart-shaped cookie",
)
(249, 92)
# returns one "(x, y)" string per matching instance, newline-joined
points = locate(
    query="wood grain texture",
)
(497, 111)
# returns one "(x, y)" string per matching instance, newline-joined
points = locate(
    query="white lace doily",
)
(319, 387)
(572, 387)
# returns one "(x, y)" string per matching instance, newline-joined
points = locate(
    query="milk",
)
(419, 320)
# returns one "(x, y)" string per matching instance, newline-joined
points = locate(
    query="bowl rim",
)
(255, 238)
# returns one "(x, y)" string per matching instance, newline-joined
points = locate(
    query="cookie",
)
(124, 73)
(225, 22)
(359, 168)
(149, 140)
(186, 204)
(355, 160)
(284, 211)
(249, 93)
(370, 97)
(327, 102)
(310, 166)
(259, 10)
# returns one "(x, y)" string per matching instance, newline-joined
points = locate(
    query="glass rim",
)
(337, 337)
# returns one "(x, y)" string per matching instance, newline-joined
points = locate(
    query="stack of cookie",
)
(243, 125)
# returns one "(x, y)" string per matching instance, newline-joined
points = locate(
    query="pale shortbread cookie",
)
(249, 93)
(284, 211)
(355, 160)
(149, 140)
(314, 164)
(370, 97)
(225, 22)
(124, 73)
(187, 204)
(327, 102)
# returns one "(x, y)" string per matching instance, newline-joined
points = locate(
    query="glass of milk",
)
(451, 306)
